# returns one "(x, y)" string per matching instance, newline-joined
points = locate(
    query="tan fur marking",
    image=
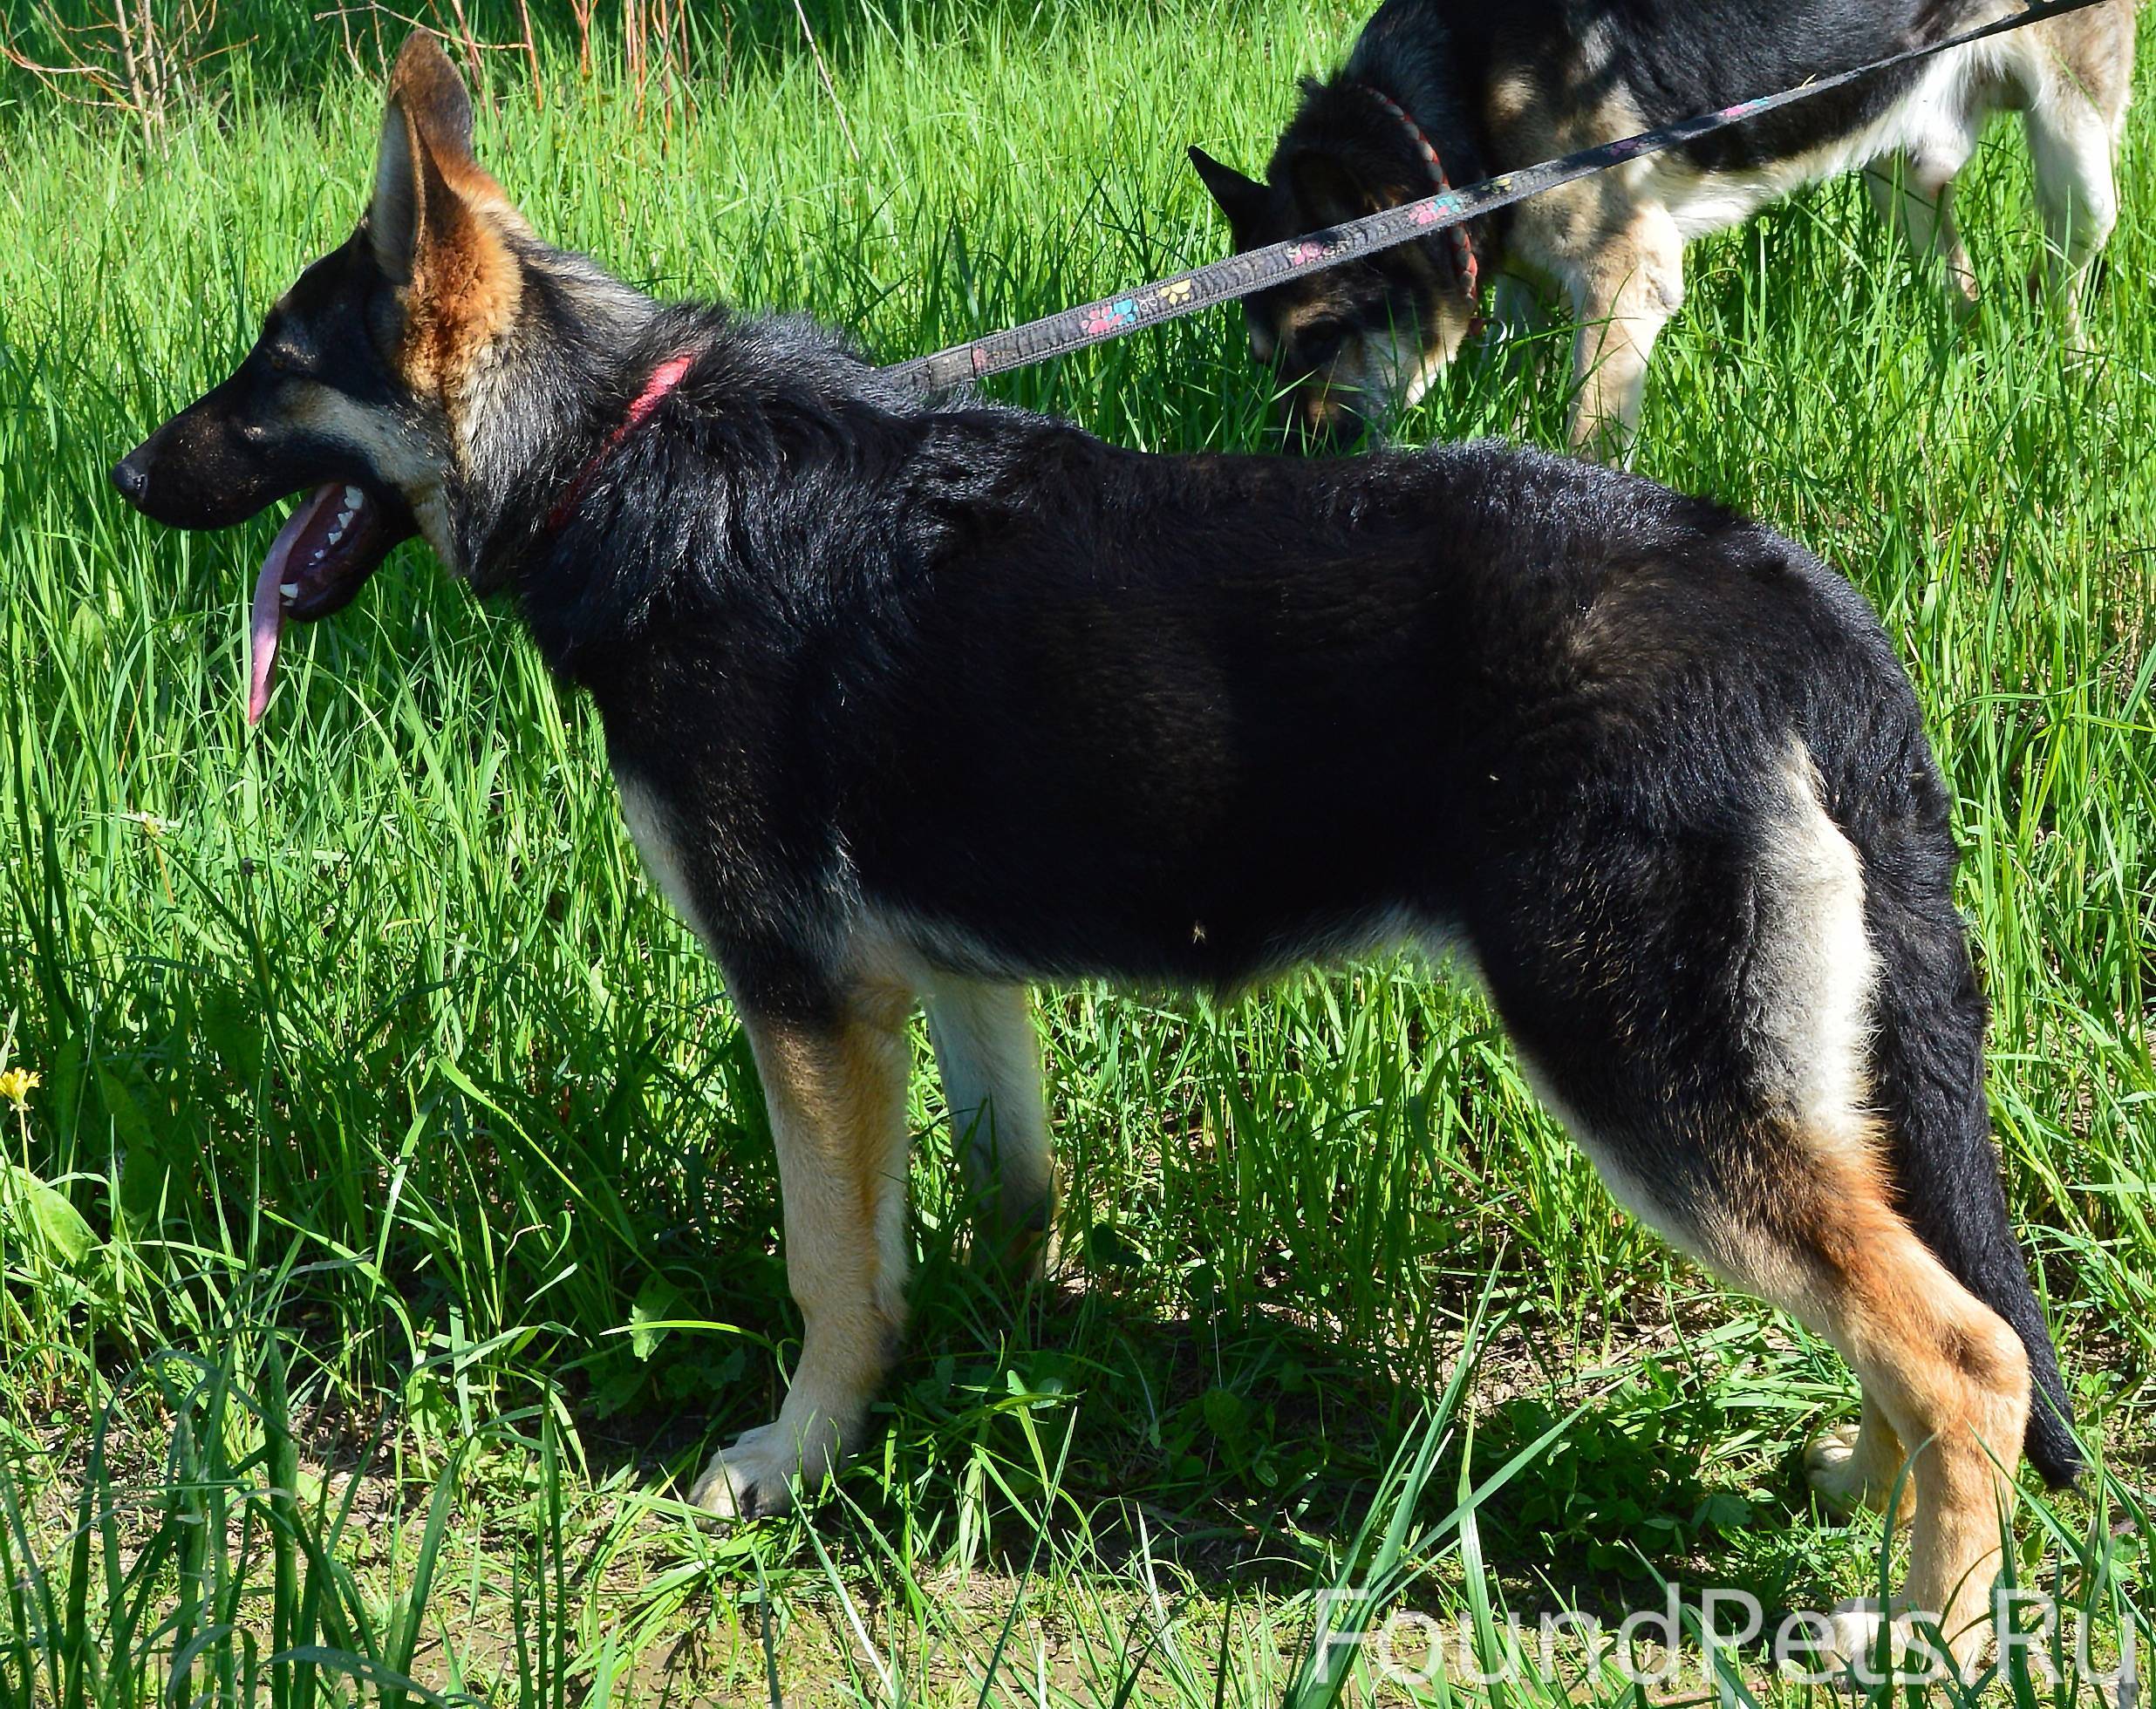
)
(1947, 1374)
(838, 1099)
(466, 288)
(1510, 101)
(838, 1105)
(464, 285)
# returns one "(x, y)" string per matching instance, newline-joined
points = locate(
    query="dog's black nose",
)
(131, 478)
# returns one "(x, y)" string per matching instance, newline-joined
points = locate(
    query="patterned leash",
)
(1238, 275)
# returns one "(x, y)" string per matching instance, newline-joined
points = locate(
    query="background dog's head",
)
(1351, 343)
(357, 391)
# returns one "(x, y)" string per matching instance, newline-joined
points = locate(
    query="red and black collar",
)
(1464, 246)
(665, 378)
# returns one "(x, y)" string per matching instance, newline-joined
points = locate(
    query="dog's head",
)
(357, 392)
(1353, 341)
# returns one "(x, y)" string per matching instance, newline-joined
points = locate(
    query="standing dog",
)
(919, 704)
(1458, 90)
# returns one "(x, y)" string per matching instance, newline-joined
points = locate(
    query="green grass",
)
(395, 1224)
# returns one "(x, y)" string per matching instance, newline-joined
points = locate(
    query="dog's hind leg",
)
(2076, 84)
(1947, 1375)
(2070, 143)
(836, 1091)
(1773, 1050)
(990, 1058)
(1799, 1215)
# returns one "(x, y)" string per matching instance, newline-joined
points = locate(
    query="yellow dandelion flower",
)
(15, 1086)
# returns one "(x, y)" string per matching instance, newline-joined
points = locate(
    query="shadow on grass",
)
(1240, 1446)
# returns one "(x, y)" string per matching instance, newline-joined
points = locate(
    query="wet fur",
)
(1496, 88)
(919, 704)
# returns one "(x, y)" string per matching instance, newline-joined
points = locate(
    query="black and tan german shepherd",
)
(918, 703)
(1461, 89)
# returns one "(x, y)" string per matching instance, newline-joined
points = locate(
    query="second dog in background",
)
(1439, 91)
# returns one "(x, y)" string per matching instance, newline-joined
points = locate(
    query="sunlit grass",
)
(384, 1111)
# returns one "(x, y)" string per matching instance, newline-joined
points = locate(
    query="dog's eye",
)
(283, 360)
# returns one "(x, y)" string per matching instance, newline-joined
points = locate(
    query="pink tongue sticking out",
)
(269, 600)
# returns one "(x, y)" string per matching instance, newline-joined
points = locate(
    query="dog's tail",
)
(1928, 1053)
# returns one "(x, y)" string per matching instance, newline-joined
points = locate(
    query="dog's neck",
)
(704, 479)
(547, 404)
(1402, 53)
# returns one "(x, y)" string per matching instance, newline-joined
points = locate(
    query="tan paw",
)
(1837, 1467)
(761, 1472)
(1831, 1467)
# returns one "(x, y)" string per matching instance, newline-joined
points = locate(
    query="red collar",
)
(1471, 271)
(664, 378)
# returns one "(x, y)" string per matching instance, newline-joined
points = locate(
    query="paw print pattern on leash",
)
(1109, 316)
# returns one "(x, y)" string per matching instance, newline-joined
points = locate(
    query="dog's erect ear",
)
(411, 196)
(1327, 191)
(426, 158)
(437, 221)
(1242, 200)
(427, 85)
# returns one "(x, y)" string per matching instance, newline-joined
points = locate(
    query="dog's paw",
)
(1831, 1467)
(1848, 1654)
(1914, 1651)
(1845, 1477)
(761, 1471)
(1012, 1250)
(1855, 1627)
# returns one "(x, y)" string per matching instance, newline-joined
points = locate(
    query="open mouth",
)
(336, 538)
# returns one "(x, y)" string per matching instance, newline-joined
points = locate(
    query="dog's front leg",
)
(837, 1090)
(990, 1056)
(1623, 293)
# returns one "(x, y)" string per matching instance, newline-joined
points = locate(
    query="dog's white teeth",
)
(337, 533)
(353, 499)
(289, 590)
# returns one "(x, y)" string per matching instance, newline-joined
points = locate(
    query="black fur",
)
(1674, 59)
